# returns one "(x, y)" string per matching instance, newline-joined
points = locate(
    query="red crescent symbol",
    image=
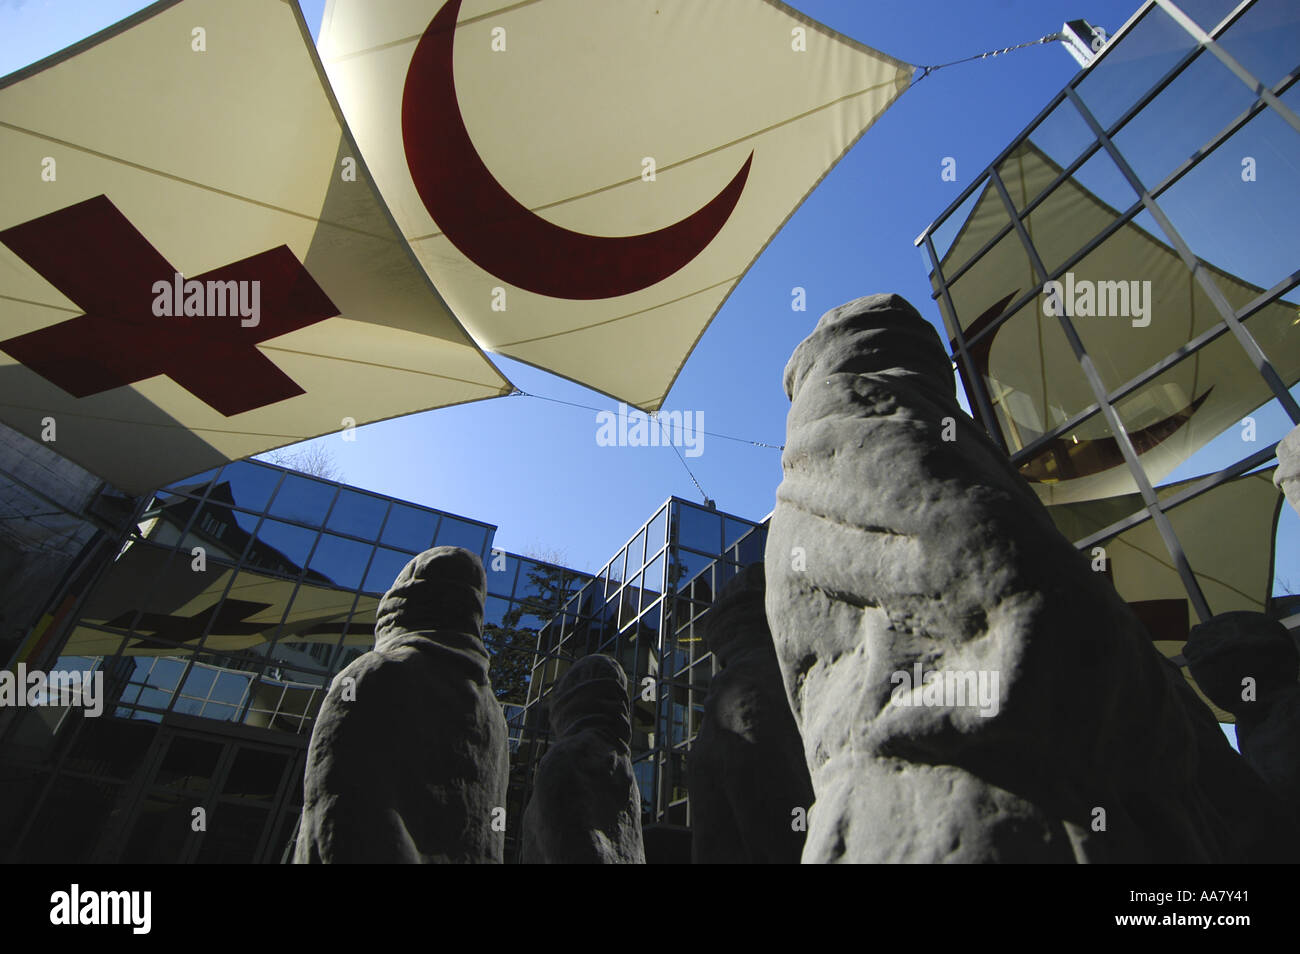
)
(491, 228)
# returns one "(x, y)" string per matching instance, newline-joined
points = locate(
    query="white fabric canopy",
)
(587, 180)
(200, 138)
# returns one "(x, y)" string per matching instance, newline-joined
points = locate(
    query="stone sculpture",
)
(1287, 476)
(1248, 664)
(966, 687)
(408, 759)
(585, 806)
(749, 784)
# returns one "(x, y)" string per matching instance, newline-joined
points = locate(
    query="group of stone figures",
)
(903, 542)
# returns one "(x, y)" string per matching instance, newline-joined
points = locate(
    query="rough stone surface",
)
(892, 548)
(1287, 476)
(1224, 652)
(412, 768)
(585, 806)
(749, 783)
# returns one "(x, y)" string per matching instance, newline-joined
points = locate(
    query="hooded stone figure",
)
(967, 688)
(585, 806)
(408, 760)
(749, 784)
(1248, 664)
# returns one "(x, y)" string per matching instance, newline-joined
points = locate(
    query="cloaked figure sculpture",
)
(966, 687)
(749, 783)
(1248, 664)
(585, 806)
(408, 760)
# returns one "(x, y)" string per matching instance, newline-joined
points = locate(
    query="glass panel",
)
(1238, 208)
(280, 547)
(945, 234)
(699, 529)
(1265, 39)
(195, 486)
(501, 573)
(1191, 404)
(1134, 303)
(1207, 13)
(188, 765)
(342, 562)
(494, 610)
(1133, 65)
(751, 547)
(629, 606)
(687, 566)
(222, 532)
(1166, 132)
(161, 831)
(246, 484)
(1248, 432)
(110, 747)
(654, 576)
(230, 687)
(304, 499)
(1032, 375)
(358, 514)
(656, 535)
(1082, 464)
(384, 569)
(410, 528)
(1275, 328)
(256, 774)
(459, 533)
(1231, 568)
(994, 281)
(199, 682)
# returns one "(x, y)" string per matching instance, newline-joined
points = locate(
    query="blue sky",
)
(534, 468)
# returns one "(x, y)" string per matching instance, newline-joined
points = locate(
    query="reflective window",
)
(1246, 187)
(384, 569)
(1265, 39)
(280, 547)
(1166, 132)
(1207, 13)
(459, 533)
(410, 528)
(501, 571)
(656, 535)
(304, 499)
(247, 485)
(342, 561)
(194, 486)
(360, 515)
(1151, 48)
(699, 529)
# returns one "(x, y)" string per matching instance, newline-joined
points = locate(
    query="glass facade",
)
(1166, 169)
(643, 608)
(218, 626)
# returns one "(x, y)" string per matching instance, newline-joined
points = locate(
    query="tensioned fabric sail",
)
(587, 180)
(1033, 378)
(1234, 570)
(199, 138)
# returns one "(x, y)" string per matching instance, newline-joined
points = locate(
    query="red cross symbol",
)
(98, 259)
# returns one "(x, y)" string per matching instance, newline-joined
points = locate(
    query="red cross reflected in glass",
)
(92, 254)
